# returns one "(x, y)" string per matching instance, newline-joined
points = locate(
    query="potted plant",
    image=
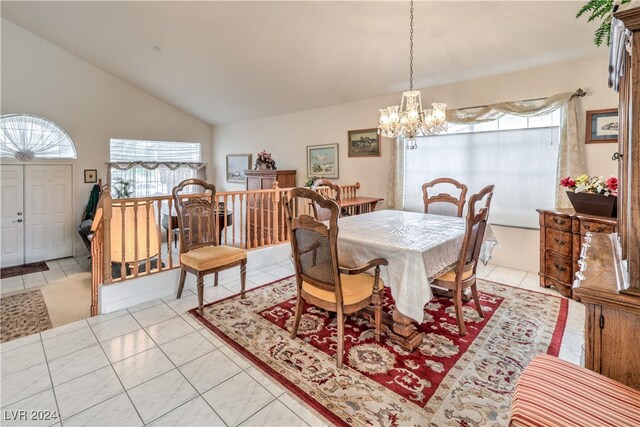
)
(123, 188)
(265, 161)
(592, 195)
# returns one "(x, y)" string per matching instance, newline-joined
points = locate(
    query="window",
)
(152, 168)
(26, 137)
(517, 154)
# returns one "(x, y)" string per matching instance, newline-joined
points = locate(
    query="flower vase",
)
(262, 166)
(593, 204)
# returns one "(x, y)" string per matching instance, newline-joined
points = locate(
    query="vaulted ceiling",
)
(230, 61)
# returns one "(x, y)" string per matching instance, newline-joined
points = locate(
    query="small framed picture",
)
(90, 176)
(364, 143)
(322, 161)
(236, 165)
(602, 126)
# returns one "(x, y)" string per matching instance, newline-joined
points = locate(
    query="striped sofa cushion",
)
(552, 392)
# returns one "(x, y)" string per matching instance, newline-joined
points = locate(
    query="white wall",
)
(286, 136)
(91, 105)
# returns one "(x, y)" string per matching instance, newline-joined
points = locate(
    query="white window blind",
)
(516, 154)
(129, 150)
(154, 167)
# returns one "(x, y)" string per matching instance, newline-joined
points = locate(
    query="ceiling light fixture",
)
(409, 119)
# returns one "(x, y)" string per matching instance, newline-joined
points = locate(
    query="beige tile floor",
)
(154, 365)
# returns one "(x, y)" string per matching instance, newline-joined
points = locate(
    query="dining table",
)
(419, 247)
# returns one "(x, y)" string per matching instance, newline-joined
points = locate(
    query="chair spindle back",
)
(197, 214)
(444, 197)
(328, 189)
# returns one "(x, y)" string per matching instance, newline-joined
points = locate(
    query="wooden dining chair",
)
(200, 252)
(443, 197)
(327, 189)
(321, 281)
(463, 275)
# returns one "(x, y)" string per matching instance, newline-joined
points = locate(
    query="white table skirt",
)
(419, 247)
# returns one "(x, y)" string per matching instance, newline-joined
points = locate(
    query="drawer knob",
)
(560, 241)
(559, 221)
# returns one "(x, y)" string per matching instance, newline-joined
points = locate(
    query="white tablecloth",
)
(419, 247)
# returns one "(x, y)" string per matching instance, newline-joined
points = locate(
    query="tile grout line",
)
(119, 380)
(179, 371)
(53, 388)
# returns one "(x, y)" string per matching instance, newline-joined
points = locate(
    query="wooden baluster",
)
(148, 262)
(106, 237)
(224, 214)
(233, 219)
(170, 234)
(158, 232)
(254, 219)
(260, 242)
(276, 212)
(123, 264)
(242, 223)
(135, 240)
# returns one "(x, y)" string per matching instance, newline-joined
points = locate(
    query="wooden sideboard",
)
(259, 210)
(561, 232)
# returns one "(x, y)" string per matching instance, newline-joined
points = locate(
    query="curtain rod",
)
(578, 93)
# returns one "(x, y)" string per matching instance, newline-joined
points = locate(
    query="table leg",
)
(398, 328)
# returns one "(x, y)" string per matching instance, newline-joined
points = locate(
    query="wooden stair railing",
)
(154, 231)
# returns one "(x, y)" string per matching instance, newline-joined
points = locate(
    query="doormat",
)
(23, 314)
(19, 270)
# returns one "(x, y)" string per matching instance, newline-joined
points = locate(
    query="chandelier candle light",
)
(409, 119)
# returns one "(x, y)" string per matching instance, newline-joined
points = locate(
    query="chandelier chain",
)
(411, 47)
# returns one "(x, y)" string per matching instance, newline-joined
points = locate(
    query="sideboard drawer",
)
(557, 221)
(559, 267)
(595, 227)
(558, 241)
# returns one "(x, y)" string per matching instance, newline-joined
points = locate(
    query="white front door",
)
(12, 218)
(48, 212)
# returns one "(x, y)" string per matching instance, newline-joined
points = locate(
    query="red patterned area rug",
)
(448, 380)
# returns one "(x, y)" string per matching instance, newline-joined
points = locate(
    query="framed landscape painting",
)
(602, 126)
(236, 165)
(322, 161)
(364, 143)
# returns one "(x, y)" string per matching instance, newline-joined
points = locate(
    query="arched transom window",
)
(28, 137)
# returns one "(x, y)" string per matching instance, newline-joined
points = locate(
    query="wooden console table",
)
(359, 205)
(561, 232)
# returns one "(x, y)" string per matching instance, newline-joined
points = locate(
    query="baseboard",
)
(132, 292)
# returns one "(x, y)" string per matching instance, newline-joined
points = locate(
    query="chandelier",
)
(409, 119)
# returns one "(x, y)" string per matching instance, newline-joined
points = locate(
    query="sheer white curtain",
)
(26, 137)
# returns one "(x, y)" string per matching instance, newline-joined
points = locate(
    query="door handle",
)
(18, 220)
(19, 213)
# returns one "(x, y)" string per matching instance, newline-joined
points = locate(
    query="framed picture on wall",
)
(602, 126)
(236, 165)
(364, 143)
(322, 161)
(90, 176)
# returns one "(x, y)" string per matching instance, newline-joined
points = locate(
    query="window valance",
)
(487, 113)
(155, 165)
